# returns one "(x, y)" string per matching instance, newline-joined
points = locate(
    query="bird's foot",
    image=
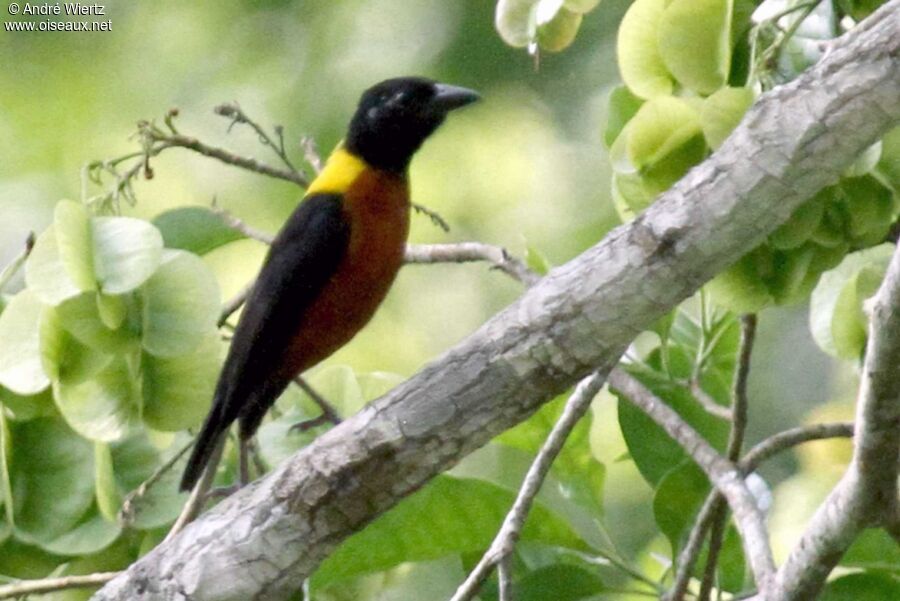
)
(220, 492)
(309, 424)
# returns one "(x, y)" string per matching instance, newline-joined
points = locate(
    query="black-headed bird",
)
(332, 263)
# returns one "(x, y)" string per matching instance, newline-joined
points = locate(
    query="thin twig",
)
(505, 578)
(762, 451)
(435, 217)
(10, 270)
(505, 540)
(22, 588)
(463, 252)
(225, 156)
(234, 303)
(739, 407)
(706, 401)
(200, 494)
(241, 226)
(233, 111)
(127, 512)
(790, 438)
(723, 474)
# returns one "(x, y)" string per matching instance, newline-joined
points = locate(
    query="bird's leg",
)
(329, 413)
(243, 462)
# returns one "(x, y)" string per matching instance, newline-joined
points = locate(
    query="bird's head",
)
(395, 116)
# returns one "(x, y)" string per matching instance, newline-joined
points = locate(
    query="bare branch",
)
(505, 540)
(241, 226)
(48, 585)
(767, 448)
(790, 438)
(234, 112)
(234, 303)
(464, 252)
(229, 158)
(723, 474)
(739, 408)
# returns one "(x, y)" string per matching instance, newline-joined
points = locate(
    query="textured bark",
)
(867, 493)
(264, 540)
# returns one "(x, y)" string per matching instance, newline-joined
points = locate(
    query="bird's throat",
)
(340, 171)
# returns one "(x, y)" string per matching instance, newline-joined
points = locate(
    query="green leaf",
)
(108, 498)
(659, 128)
(126, 252)
(677, 498)
(874, 549)
(574, 497)
(447, 516)
(112, 310)
(722, 111)
(836, 318)
(20, 356)
(181, 305)
(560, 582)
(195, 229)
(104, 408)
(732, 566)
(622, 106)
(516, 21)
(582, 475)
(741, 288)
(653, 451)
(558, 32)
(90, 536)
(80, 316)
(536, 260)
(581, 6)
(63, 357)
(23, 408)
(870, 207)
(6, 496)
(889, 162)
(794, 232)
(864, 586)
(52, 475)
(73, 240)
(134, 460)
(45, 275)
(695, 42)
(177, 390)
(640, 61)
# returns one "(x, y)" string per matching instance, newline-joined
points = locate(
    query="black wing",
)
(302, 258)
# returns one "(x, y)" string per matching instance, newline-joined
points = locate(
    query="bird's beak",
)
(447, 97)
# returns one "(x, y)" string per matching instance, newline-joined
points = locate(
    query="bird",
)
(331, 264)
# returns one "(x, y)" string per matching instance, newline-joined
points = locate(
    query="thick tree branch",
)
(262, 542)
(867, 493)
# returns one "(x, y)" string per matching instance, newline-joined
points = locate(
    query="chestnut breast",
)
(376, 205)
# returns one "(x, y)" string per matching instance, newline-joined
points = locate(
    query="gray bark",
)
(264, 540)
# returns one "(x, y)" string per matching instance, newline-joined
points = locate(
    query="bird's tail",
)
(204, 448)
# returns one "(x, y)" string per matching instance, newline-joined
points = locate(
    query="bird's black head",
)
(395, 116)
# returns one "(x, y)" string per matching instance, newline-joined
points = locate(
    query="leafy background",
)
(526, 168)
